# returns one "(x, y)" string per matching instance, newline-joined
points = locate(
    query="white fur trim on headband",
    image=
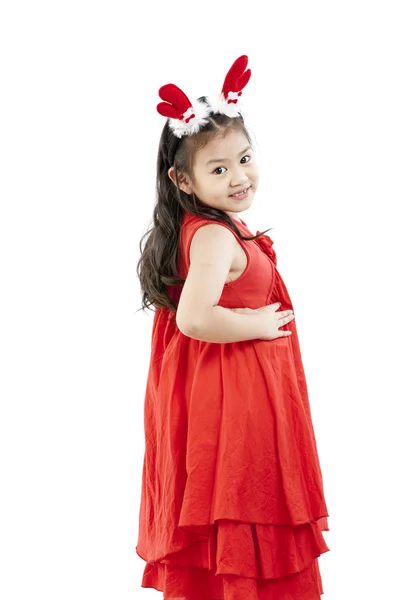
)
(201, 112)
(220, 105)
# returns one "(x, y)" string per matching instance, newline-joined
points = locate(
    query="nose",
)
(239, 177)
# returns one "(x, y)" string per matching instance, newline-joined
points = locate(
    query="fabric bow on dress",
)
(265, 243)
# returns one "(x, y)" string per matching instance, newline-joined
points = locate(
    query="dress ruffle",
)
(265, 243)
(272, 561)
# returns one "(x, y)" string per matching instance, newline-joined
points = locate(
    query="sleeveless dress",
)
(232, 500)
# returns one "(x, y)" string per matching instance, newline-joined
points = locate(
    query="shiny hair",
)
(158, 265)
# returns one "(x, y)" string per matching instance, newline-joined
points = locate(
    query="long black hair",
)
(158, 265)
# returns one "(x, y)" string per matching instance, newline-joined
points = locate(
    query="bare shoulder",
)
(211, 237)
(212, 252)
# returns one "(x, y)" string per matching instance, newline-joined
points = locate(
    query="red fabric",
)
(232, 503)
(237, 77)
(177, 103)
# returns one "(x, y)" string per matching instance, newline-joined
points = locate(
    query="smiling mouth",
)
(238, 194)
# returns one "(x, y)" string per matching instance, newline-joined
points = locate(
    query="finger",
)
(287, 319)
(286, 313)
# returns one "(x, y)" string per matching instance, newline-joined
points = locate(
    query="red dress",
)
(232, 502)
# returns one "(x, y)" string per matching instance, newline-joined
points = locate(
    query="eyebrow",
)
(217, 160)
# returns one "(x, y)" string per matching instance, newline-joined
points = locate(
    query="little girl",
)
(232, 502)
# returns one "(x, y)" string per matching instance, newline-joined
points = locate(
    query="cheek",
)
(213, 185)
(211, 188)
(254, 174)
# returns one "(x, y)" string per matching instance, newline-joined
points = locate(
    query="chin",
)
(243, 204)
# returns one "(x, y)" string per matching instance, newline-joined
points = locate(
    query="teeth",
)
(240, 193)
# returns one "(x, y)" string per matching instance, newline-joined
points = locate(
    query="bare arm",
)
(222, 325)
(198, 316)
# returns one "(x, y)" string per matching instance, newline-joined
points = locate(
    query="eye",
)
(246, 155)
(217, 170)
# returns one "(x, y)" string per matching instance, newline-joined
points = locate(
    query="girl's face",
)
(221, 168)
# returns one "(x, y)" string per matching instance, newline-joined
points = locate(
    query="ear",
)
(184, 181)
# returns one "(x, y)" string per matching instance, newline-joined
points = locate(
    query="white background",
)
(79, 134)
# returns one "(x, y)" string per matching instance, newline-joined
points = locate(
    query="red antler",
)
(237, 76)
(177, 103)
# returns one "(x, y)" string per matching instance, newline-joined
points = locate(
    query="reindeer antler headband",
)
(186, 117)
